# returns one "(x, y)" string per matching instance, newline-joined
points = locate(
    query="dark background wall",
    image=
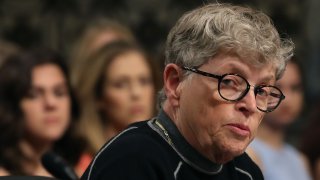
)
(58, 23)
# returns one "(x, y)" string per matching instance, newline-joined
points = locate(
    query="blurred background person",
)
(7, 49)
(98, 33)
(276, 158)
(37, 112)
(117, 88)
(310, 145)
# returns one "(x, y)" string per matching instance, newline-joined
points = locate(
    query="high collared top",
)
(164, 125)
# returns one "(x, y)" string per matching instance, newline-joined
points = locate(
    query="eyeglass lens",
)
(234, 87)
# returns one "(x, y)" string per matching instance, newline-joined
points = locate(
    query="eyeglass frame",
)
(281, 96)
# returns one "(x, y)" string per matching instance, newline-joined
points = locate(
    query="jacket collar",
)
(169, 131)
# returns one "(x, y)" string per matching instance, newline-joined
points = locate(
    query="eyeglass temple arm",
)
(201, 72)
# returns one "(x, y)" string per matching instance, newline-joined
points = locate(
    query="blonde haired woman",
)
(98, 33)
(115, 89)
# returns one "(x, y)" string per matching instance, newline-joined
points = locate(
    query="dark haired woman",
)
(37, 113)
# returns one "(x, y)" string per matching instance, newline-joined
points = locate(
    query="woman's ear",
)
(172, 77)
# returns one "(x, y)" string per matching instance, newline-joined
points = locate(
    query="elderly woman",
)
(222, 62)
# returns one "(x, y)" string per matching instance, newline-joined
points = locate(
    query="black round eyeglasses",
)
(233, 87)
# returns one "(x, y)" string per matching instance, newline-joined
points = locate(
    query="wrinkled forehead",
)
(261, 63)
(234, 63)
(250, 58)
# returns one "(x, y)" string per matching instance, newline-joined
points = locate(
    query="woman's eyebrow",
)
(238, 70)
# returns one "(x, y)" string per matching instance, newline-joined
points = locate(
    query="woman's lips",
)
(239, 129)
(137, 110)
(52, 120)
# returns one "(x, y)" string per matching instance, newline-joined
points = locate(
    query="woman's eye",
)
(228, 82)
(296, 88)
(261, 92)
(61, 92)
(120, 84)
(145, 81)
(33, 93)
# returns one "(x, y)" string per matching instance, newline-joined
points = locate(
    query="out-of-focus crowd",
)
(72, 107)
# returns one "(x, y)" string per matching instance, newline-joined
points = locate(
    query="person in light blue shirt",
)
(278, 159)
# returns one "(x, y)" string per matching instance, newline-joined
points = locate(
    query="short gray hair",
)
(202, 33)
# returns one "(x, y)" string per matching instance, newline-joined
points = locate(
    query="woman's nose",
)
(49, 101)
(247, 104)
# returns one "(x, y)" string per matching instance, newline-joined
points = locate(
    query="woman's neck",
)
(111, 130)
(34, 150)
(272, 136)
